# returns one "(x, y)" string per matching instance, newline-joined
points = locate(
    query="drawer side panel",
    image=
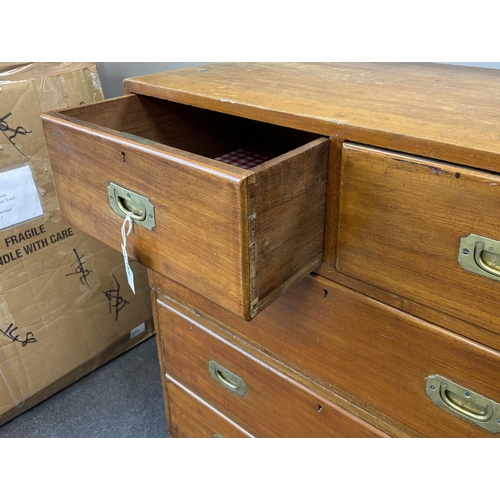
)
(290, 219)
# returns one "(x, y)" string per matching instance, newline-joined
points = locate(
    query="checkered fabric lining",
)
(248, 157)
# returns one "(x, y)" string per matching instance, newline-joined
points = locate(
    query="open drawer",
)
(238, 235)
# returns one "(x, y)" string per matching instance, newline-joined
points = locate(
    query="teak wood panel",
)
(400, 224)
(191, 417)
(238, 237)
(287, 207)
(274, 404)
(434, 110)
(351, 343)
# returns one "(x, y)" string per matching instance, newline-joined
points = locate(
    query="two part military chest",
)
(322, 241)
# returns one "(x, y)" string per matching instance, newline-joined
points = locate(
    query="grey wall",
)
(492, 65)
(112, 74)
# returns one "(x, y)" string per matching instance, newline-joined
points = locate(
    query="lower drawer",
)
(246, 388)
(191, 417)
(384, 359)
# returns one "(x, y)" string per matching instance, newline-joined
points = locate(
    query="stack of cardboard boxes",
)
(65, 305)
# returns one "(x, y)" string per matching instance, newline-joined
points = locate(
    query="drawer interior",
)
(230, 139)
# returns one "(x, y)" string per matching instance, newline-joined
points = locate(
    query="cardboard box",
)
(65, 305)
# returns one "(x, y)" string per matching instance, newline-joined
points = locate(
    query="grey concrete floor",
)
(122, 399)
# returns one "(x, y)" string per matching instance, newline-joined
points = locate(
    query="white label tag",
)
(128, 270)
(137, 330)
(19, 200)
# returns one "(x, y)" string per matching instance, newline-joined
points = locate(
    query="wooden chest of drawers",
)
(346, 287)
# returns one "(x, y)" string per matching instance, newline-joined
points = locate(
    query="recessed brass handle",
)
(486, 259)
(461, 404)
(464, 403)
(224, 381)
(138, 212)
(227, 378)
(124, 201)
(480, 255)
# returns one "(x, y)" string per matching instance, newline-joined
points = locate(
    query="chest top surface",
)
(441, 111)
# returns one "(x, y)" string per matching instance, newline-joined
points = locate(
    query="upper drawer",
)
(402, 220)
(239, 236)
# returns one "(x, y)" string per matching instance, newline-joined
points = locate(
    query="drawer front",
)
(237, 236)
(248, 390)
(363, 349)
(191, 417)
(402, 220)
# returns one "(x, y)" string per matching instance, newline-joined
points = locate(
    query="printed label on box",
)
(19, 200)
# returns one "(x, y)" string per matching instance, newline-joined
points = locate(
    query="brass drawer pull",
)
(138, 211)
(480, 255)
(464, 403)
(486, 260)
(124, 201)
(227, 379)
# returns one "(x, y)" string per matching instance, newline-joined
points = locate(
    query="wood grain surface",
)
(240, 237)
(363, 349)
(435, 110)
(400, 225)
(192, 417)
(383, 168)
(274, 405)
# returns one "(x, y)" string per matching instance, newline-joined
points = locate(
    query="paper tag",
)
(19, 200)
(128, 270)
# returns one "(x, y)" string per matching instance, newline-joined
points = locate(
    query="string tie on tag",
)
(128, 270)
(130, 221)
